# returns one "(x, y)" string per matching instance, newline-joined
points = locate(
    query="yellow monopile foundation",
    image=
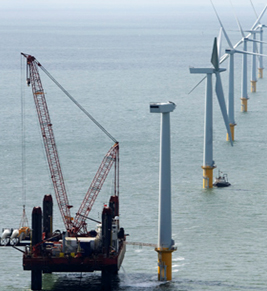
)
(253, 86)
(260, 73)
(164, 263)
(244, 104)
(207, 176)
(232, 128)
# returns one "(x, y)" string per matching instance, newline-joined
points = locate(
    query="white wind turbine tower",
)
(260, 27)
(231, 51)
(165, 242)
(244, 96)
(260, 69)
(245, 39)
(208, 162)
(253, 32)
(244, 83)
(253, 80)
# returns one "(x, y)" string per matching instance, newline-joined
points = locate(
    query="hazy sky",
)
(76, 4)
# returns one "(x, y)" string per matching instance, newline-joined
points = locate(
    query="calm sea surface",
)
(114, 63)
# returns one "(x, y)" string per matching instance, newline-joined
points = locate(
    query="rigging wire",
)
(77, 104)
(24, 220)
(23, 151)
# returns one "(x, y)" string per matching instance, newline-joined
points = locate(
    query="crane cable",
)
(24, 220)
(23, 168)
(77, 104)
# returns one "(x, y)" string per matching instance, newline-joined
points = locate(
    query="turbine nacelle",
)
(261, 26)
(230, 51)
(162, 107)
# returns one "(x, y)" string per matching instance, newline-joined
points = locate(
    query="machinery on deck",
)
(77, 249)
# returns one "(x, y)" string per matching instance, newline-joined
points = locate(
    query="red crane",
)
(95, 187)
(78, 225)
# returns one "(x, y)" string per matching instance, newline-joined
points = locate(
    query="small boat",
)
(221, 180)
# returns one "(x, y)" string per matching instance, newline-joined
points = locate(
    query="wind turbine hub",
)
(230, 51)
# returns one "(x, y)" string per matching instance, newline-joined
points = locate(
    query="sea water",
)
(115, 62)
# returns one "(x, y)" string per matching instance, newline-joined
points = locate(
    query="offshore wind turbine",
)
(224, 57)
(260, 68)
(253, 80)
(231, 51)
(244, 82)
(260, 27)
(253, 32)
(208, 162)
(245, 39)
(253, 61)
(165, 242)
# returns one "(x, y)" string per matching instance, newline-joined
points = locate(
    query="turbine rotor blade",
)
(237, 20)
(258, 19)
(241, 41)
(220, 97)
(250, 53)
(197, 85)
(214, 57)
(224, 32)
(223, 58)
(219, 42)
(254, 9)
(258, 41)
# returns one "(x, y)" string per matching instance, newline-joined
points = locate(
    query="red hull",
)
(74, 264)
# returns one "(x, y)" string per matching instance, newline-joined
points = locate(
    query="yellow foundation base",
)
(164, 263)
(244, 104)
(232, 128)
(207, 176)
(253, 86)
(260, 73)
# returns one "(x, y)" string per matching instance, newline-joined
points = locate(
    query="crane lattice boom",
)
(48, 140)
(95, 187)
